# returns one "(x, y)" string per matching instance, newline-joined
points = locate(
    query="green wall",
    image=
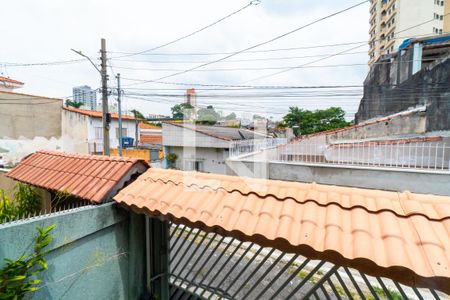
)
(97, 252)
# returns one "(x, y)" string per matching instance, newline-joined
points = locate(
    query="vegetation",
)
(26, 202)
(17, 278)
(179, 110)
(207, 116)
(172, 157)
(138, 114)
(231, 116)
(75, 104)
(307, 122)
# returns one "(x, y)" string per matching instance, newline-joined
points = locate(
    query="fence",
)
(211, 266)
(429, 155)
(239, 148)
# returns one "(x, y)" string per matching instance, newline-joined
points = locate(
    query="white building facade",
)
(83, 130)
(393, 21)
(85, 95)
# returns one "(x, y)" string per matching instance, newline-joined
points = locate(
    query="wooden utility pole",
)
(120, 113)
(106, 117)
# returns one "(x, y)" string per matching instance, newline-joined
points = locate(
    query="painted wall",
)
(80, 130)
(75, 131)
(97, 252)
(212, 159)
(27, 116)
(380, 178)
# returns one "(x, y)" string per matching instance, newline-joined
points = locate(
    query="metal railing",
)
(431, 155)
(211, 266)
(243, 147)
(411, 155)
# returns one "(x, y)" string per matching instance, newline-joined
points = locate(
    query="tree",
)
(178, 110)
(231, 116)
(75, 104)
(207, 116)
(307, 122)
(137, 114)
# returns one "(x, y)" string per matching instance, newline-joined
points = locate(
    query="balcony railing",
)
(239, 148)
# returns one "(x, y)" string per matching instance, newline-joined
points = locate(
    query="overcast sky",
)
(46, 30)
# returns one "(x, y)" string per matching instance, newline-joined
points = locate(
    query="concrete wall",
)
(79, 130)
(414, 123)
(75, 131)
(97, 253)
(29, 116)
(372, 178)
(213, 159)
(430, 87)
(413, 12)
(7, 184)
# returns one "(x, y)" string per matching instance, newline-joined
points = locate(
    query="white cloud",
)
(46, 30)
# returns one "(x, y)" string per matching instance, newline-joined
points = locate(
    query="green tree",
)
(307, 122)
(231, 116)
(137, 114)
(75, 104)
(178, 110)
(207, 116)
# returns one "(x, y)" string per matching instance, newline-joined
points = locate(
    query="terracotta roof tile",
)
(149, 126)
(88, 177)
(96, 114)
(402, 236)
(9, 80)
(150, 139)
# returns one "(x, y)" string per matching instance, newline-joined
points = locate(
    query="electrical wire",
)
(251, 3)
(262, 43)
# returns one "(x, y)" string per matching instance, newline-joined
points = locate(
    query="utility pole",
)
(106, 118)
(120, 113)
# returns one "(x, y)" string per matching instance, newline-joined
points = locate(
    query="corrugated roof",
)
(96, 114)
(402, 236)
(223, 133)
(94, 178)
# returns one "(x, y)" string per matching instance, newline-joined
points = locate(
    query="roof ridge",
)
(300, 248)
(92, 157)
(266, 195)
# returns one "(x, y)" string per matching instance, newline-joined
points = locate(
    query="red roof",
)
(402, 236)
(96, 114)
(94, 178)
(150, 139)
(149, 126)
(9, 80)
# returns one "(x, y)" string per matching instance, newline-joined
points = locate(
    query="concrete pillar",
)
(417, 58)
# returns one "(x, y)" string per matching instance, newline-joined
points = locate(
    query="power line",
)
(253, 2)
(302, 65)
(263, 43)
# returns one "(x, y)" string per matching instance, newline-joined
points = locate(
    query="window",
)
(441, 17)
(440, 31)
(124, 132)
(193, 165)
(98, 133)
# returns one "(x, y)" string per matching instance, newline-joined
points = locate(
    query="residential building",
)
(392, 21)
(8, 84)
(86, 95)
(416, 76)
(83, 130)
(150, 135)
(27, 122)
(191, 97)
(202, 148)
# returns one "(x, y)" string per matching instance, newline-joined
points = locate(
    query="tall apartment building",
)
(393, 21)
(86, 95)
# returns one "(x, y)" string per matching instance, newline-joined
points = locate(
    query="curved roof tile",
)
(402, 236)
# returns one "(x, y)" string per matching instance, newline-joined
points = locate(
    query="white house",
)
(83, 129)
(202, 148)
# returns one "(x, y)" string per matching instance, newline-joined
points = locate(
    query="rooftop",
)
(223, 133)
(96, 114)
(9, 80)
(402, 236)
(93, 178)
